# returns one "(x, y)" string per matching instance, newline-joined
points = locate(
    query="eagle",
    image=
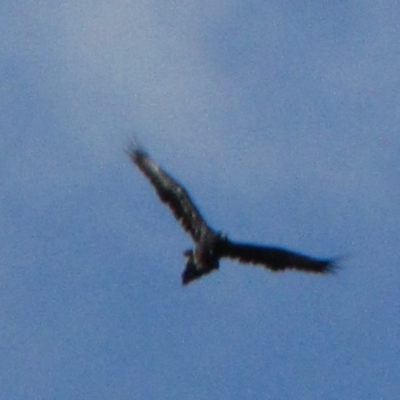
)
(211, 245)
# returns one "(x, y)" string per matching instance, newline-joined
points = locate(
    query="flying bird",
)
(210, 245)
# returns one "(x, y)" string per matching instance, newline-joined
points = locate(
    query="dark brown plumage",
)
(210, 245)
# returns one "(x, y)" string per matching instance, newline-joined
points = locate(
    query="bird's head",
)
(193, 269)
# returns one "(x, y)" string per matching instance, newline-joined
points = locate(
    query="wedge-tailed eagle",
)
(211, 245)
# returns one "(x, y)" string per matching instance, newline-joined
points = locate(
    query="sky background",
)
(282, 119)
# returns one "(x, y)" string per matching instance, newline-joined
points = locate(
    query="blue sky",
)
(281, 118)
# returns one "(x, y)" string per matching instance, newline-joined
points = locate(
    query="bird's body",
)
(210, 245)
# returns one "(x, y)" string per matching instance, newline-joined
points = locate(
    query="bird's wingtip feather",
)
(134, 147)
(335, 264)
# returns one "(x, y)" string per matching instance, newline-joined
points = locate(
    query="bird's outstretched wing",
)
(170, 192)
(273, 258)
